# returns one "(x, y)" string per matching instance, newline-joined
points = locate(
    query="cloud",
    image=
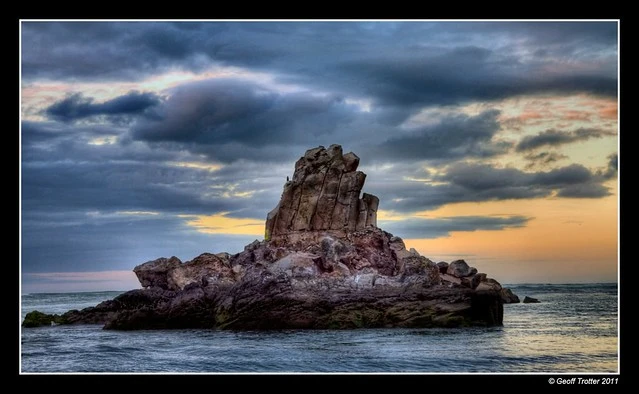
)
(553, 137)
(542, 159)
(477, 182)
(584, 190)
(454, 136)
(231, 119)
(428, 76)
(483, 177)
(141, 186)
(569, 175)
(442, 227)
(611, 169)
(409, 64)
(77, 106)
(613, 161)
(75, 241)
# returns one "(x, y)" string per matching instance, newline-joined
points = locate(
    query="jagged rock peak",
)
(323, 195)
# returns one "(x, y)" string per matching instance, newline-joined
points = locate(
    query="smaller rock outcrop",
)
(530, 300)
(155, 273)
(508, 296)
(460, 269)
(37, 319)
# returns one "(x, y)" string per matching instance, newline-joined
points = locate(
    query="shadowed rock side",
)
(323, 264)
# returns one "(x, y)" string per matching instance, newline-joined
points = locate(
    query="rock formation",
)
(508, 296)
(530, 300)
(323, 195)
(323, 263)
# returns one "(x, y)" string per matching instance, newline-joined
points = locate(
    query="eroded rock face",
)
(155, 273)
(323, 195)
(324, 263)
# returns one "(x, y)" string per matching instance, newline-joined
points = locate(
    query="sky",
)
(492, 142)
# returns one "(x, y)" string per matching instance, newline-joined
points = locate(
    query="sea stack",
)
(323, 263)
(323, 196)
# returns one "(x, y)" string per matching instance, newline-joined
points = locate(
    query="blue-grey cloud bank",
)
(133, 132)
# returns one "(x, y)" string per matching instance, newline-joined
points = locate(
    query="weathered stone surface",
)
(324, 194)
(451, 279)
(367, 211)
(155, 273)
(172, 274)
(460, 269)
(297, 265)
(351, 161)
(323, 263)
(472, 281)
(489, 284)
(206, 268)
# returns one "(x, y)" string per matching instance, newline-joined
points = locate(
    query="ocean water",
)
(573, 330)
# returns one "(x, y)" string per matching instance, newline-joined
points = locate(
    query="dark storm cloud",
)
(106, 51)
(584, 190)
(453, 137)
(613, 161)
(407, 64)
(232, 119)
(77, 106)
(45, 142)
(548, 33)
(131, 185)
(483, 177)
(441, 227)
(37, 132)
(227, 110)
(572, 174)
(462, 75)
(62, 171)
(466, 182)
(611, 169)
(553, 137)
